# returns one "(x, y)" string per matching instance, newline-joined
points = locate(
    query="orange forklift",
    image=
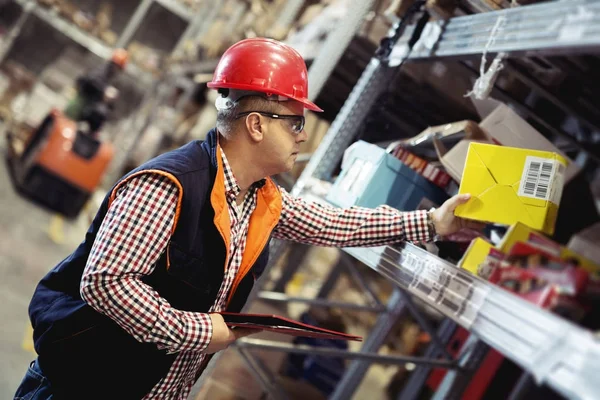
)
(63, 160)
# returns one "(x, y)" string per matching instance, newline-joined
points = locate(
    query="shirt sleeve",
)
(133, 235)
(324, 225)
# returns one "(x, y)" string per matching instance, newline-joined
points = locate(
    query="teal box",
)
(371, 177)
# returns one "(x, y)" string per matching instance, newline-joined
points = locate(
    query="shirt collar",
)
(232, 188)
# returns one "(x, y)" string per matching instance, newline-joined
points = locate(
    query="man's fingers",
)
(457, 200)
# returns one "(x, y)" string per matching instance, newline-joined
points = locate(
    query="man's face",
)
(281, 144)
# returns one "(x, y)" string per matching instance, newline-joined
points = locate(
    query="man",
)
(93, 86)
(133, 313)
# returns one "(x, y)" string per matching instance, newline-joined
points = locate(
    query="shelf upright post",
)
(374, 81)
(386, 322)
(418, 377)
(456, 381)
(134, 23)
(335, 45)
(15, 31)
(193, 26)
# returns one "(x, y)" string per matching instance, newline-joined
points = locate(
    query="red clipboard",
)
(275, 323)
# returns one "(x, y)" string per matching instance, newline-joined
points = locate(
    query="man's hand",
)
(223, 336)
(446, 223)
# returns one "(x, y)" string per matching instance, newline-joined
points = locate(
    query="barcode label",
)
(538, 178)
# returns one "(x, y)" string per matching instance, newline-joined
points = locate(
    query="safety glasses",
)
(296, 121)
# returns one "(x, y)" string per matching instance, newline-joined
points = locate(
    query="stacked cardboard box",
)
(537, 269)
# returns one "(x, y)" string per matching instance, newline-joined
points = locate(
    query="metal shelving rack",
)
(153, 87)
(98, 47)
(549, 348)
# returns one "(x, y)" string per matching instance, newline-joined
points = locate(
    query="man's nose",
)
(302, 137)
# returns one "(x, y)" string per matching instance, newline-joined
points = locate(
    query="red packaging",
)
(569, 279)
(433, 174)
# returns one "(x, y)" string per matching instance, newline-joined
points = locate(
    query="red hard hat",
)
(266, 66)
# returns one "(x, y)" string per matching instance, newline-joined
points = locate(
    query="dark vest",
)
(86, 354)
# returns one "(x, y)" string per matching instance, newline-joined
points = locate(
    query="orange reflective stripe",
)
(262, 222)
(219, 204)
(113, 194)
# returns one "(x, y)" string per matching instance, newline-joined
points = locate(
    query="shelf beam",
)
(551, 28)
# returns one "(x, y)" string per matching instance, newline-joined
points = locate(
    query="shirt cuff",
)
(417, 226)
(206, 322)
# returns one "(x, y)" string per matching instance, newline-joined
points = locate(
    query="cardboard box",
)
(475, 255)
(371, 177)
(522, 233)
(427, 170)
(587, 243)
(453, 158)
(501, 126)
(511, 185)
(507, 128)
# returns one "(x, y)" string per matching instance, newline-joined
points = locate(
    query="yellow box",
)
(475, 255)
(522, 233)
(511, 185)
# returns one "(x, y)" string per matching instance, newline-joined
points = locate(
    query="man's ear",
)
(255, 127)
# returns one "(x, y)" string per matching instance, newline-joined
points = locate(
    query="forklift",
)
(63, 160)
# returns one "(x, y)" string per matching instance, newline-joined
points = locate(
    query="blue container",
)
(371, 177)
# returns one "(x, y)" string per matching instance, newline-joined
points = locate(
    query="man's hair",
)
(226, 121)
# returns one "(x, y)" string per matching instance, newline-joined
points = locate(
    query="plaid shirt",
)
(136, 230)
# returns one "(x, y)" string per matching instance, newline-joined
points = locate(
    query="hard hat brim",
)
(309, 105)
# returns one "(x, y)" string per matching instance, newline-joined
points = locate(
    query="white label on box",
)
(355, 178)
(537, 180)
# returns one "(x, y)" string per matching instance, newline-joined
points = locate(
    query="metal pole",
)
(288, 14)
(331, 280)
(455, 382)
(521, 389)
(134, 23)
(423, 323)
(282, 298)
(295, 256)
(193, 26)
(262, 374)
(16, 29)
(335, 45)
(358, 278)
(373, 82)
(384, 325)
(338, 353)
(418, 377)
(213, 12)
(235, 18)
